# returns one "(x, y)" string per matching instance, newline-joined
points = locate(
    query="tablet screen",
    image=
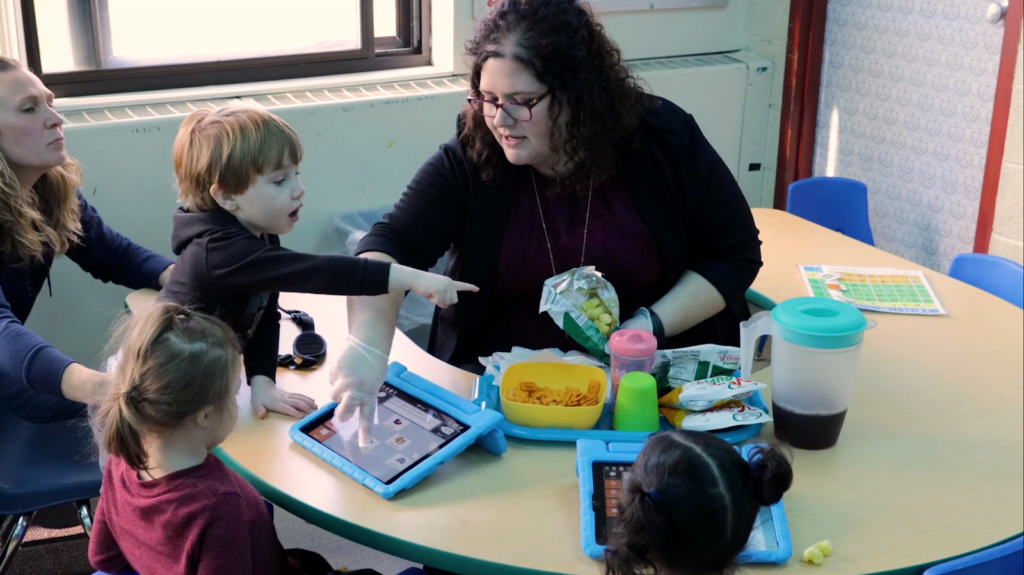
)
(405, 433)
(609, 481)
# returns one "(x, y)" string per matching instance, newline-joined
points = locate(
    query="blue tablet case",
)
(482, 424)
(589, 452)
(487, 395)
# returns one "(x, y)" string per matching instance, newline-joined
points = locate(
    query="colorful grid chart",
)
(875, 289)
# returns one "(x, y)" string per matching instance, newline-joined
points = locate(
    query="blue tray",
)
(589, 452)
(485, 394)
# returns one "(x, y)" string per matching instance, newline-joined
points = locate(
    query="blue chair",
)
(998, 276)
(839, 204)
(1006, 558)
(42, 465)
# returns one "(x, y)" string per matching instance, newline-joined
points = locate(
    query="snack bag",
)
(730, 414)
(585, 306)
(704, 394)
(699, 362)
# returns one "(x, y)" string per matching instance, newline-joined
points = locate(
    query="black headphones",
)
(309, 348)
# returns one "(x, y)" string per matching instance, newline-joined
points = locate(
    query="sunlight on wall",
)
(833, 143)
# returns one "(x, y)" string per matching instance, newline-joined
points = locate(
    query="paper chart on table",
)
(874, 289)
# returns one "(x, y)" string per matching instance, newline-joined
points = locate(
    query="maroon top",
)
(203, 520)
(619, 245)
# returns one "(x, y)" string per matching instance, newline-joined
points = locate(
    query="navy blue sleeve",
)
(110, 257)
(26, 359)
(260, 357)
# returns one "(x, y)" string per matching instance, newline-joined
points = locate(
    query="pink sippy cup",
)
(631, 350)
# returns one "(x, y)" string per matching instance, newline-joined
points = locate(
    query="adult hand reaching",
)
(357, 377)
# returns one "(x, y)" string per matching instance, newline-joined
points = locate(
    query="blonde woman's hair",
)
(46, 217)
(229, 147)
(172, 364)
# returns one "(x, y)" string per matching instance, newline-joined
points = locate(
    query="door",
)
(906, 100)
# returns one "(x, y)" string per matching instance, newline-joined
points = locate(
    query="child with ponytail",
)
(168, 505)
(689, 505)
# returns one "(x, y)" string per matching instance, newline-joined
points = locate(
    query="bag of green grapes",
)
(585, 306)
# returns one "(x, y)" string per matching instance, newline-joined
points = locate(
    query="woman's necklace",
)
(547, 239)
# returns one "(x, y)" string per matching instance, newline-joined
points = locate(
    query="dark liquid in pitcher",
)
(807, 431)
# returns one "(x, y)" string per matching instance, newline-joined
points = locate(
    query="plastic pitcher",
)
(631, 350)
(815, 346)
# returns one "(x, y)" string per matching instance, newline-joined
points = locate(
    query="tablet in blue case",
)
(769, 541)
(419, 425)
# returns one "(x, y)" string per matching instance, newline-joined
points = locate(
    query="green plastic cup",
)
(636, 404)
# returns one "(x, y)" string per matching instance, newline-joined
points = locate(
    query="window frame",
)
(410, 47)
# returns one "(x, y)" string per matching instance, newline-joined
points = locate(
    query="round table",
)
(928, 467)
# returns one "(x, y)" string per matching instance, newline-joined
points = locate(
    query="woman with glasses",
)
(561, 160)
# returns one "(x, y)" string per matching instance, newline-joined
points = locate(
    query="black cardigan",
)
(681, 188)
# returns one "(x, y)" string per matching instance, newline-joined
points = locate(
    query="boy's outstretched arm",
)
(248, 264)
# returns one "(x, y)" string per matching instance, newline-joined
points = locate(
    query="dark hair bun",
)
(771, 473)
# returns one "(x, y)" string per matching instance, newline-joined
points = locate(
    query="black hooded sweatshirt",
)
(226, 271)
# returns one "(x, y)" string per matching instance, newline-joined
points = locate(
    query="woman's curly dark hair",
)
(567, 50)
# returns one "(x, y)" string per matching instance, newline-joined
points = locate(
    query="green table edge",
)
(760, 300)
(370, 538)
(449, 561)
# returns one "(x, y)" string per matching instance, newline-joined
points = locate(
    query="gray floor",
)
(341, 553)
(61, 548)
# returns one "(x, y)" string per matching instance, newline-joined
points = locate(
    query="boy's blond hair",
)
(229, 147)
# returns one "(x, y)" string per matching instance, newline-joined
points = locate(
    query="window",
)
(88, 47)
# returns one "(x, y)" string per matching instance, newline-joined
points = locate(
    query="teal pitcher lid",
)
(819, 322)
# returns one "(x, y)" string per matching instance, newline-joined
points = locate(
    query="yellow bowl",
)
(555, 376)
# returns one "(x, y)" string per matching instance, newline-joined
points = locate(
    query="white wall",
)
(352, 162)
(653, 33)
(767, 32)
(362, 161)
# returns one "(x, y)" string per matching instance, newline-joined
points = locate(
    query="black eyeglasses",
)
(518, 111)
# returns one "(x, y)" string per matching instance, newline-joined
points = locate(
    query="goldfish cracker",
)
(813, 555)
(704, 394)
(529, 392)
(730, 414)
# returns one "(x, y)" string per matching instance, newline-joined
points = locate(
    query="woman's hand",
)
(357, 378)
(640, 321)
(440, 290)
(266, 396)
(165, 275)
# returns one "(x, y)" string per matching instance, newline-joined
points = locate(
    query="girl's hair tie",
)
(755, 465)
